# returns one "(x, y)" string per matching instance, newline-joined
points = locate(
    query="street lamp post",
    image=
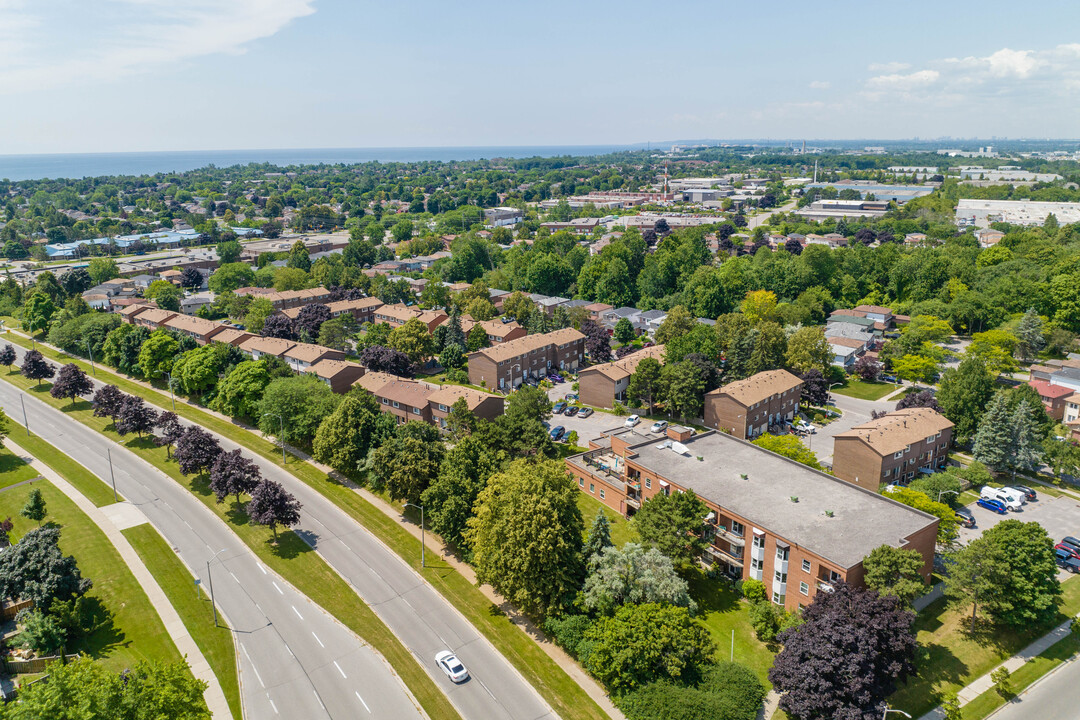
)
(282, 421)
(171, 395)
(423, 545)
(112, 475)
(26, 421)
(945, 492)
(885, 715)
(210, 580)
(90, 350)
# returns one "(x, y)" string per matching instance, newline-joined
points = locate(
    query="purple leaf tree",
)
(310, 319)
(169, 431)
(847, 656)
(71, 383)
(196, 451)
(135, 416)
(107, 401)
(597, 341)
(383, 359)
(867, 368)
(272, 505)
(921, 399)
(233, 474)
(35, 367)
(7, 356)
(279, 326)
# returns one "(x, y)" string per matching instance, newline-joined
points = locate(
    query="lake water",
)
(79, 165)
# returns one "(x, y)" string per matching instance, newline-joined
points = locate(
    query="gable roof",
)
(758, 387)
(449, 394)
(626, 365)
(893, 432)
(192, 324)
(523, 345)
(266, 345)
(306, 352)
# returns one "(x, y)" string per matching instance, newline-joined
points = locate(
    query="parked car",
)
(647, 344)
(571, 411)
(449, 664)
(1066, 561)
(659, 426)
(889, 378)
(964, 517)
(1070, 540)
(570, 397)
(585, 412)
(1011, 500)
(557, 432)
(1025, 491)
(555, 378)
(991, 504)
(1074, 552)
(559, 407)
(631, 421)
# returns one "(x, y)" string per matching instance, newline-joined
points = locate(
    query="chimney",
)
(678, 433)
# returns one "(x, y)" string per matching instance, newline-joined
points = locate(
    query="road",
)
(416, 613)
(763, 218)
(294, 659)
(855, 412)
(1057, 697)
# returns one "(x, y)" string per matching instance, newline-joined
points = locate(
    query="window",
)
(756, 564)
(804, 588)
(442, 408)
(396, 404)
(737, 528)
(777, 598)
(899, 455)
(782, 554)
(592, 487)
(759, 541)
(581, 482)
(780, 577)
(834, 576)
(416, 411)
(648, 482)
(601, 493)
(806, 566)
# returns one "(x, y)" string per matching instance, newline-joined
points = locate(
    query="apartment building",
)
(481, 404)
(604, 385)
(340, 375)
(746, 408)
(399, 314)
(287, 298)
(196, 327)
(892, 448)
(362, 309)
(770, 518)
(505, 366)
(497, 331)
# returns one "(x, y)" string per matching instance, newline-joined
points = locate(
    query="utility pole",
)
(26, 422)
(91, 351)
(112, 475)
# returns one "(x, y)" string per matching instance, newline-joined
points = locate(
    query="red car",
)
(1069, 549)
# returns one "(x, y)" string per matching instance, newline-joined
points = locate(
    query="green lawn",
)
(721, 610)
(568, 699)
(290, 557)
(865, 391)
(134, 632)
(13, 470)
(94, 488)
(621, 530)
(949, 657)
(193, 606)
(1024, 676)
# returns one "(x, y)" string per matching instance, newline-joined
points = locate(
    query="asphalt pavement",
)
(1055, 697)
(295, 660)
(416, 613)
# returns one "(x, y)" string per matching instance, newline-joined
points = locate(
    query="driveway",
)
(596, 424)
(854, 412)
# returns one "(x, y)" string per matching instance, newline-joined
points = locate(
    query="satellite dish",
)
(680, 448)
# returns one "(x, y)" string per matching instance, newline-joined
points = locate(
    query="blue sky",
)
(136, 75)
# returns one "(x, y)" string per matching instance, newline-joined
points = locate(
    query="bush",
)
(765, 619)
(572, 438)
(741, 690)
(728, 691)
(753, 590)
(568, 631)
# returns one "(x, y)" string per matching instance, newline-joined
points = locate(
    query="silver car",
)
(449, 664)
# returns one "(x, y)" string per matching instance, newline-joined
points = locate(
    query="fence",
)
(24, 667)
(10, 609)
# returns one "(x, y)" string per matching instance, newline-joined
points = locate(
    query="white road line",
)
(362, 701)
(320, 701)
(272, 704)
(317, 639)
(261, 568)
(280, 591)
(234, 577)
(340, 670)
(297, 612)
(253, 668)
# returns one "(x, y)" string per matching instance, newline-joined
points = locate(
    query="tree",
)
(645, 384)
(71, 383)
(964, 394)
(1029, 335)
(34, 509)
(170, 431)
(597, 341)
(993, 442)
(452, 358)
(299, 257)
(233, 474)
(632, 574)
(107, 401)
(298, 404)
(229, 277)
(135, 416)
(1027, 439)
(40, 632)
(790, 447)
(38, 311)
(239, 392)
(310, 320)
(673, 524)
(947, 526)
(35, 569)
(759, 306)
(450, 499)
(76, 281)
(407, 463)
(846, 658)
(684, 384)
(808, 349)
(526, 536)
(624, 331)
(383, 359)
(279, 326)
(348, 434)
(191, 278)
(229, 251)
(977, 574)
(337, 333)
(102, 269)
(1028, 592)
(647, 643)
(921, 399)
(35, 367)
(729, 691)
(478, 338)
(157, 354)
(599, 537)
(815, 387)
(867, 368)
(168, 296)
(7, 356)
(258, 312)
(677, 323)
(892, 571)
(412, 339)
(480, 309)
(272, 505)
(196, 451)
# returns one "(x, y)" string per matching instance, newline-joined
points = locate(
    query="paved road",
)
(1055, 698)
(295, 660)
(855, 412)
(422, 619)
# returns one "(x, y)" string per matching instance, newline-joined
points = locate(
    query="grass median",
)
(193, 607)
(1024, 676)
(566, 697)
(291, 558)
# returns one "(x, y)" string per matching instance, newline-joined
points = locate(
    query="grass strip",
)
(86, 482)
(13, 470)
(1024, 676)
(193, 607)
(566, 697)
(291, 558)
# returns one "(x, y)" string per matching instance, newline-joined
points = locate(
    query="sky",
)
(156, 75)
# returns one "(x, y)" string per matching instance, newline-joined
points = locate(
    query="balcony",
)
(825, 586)
(723, 556)
(724, 534)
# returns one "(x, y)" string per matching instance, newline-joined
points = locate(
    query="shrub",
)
(568, 631)
(753, 590)
(765, 619)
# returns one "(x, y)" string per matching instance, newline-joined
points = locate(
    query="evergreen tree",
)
(34, 509)
(964, 394)
(993, 445)
(1029, 334)
(599, 537)
(1027, 440)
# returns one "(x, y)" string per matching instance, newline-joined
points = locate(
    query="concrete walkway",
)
(984, 683)
(102, 517)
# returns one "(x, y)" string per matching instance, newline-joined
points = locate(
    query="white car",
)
(659, 426)
(632, 421)
(449, 664)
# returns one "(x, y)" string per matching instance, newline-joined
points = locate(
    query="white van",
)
(1010, 500)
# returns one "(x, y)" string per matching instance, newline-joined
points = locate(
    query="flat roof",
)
(862, 520)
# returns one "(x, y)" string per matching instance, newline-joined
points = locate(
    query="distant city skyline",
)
(124, 76)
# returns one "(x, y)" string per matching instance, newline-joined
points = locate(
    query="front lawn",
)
(13, 470)
(721, 610)
(865, 390)
(622, 531)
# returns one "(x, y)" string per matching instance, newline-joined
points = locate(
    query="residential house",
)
(892, 448)
(232, 336)
(257, 346)
(152, 318)
(340, 375)
(404, 399)
(1072, 415)
(193, 303)
(877, 313)
(845, 351)
(481, 404)
(506, 365)
(1066, 377)
(362, 309)
(988, 237)
(604, 385)
(1053, 397)
(596, 310)
(499, 330)
(399, 314)
(746, 408)
(196, 327)
(301, 356)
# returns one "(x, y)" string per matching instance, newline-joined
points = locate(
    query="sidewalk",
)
(984, 683)
(123, 512)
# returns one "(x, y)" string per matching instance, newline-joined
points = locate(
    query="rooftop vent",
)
(679, 448)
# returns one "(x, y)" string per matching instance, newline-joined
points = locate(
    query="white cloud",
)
(889, 67)
(820, 85)
(897, 81)
(116, 38)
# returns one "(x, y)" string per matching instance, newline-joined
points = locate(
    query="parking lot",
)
(594, 425)
(1059, 516)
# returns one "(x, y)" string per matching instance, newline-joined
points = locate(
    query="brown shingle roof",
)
(876, 309)
(155, 315)
(192, 324)
(374, 381)
(306, 352)
(268, 346)
(758, 387)
(521, 346)
(894, 431)
(406, 392)
(330, 368)
(448, 394)
(846, 342)
(232, 336)
(626, 365)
